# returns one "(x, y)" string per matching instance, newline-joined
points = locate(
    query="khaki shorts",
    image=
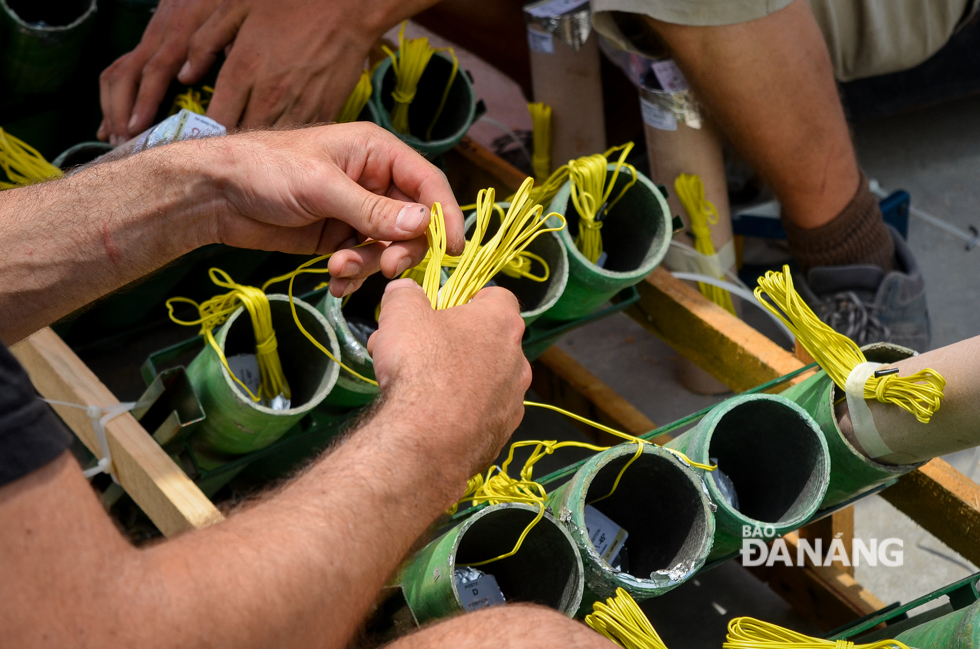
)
(865, 37)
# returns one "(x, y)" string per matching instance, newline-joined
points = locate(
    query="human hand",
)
(461, 372)
(324, 189)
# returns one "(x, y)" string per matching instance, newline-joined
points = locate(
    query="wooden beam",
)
(839, 525)
(472, 167)
(144, 470)
(944, 502)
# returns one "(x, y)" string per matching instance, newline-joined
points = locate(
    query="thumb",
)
(404, 304)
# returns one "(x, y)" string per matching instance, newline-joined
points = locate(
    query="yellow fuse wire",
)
(22, 163)
(218, 309)
(690, 192)
(620, 619)
(408, 66)
(749, 633)
(920, 394)
(357, 100)
(193, 101)
(591, 189)
(541, 135)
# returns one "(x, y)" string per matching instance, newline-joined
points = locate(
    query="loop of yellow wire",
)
(357, 100)
(22, 163)
(591, 188)
(690, 192)
(194, 101)
(620, 619)
(541, 136)
(920, 394)
(408, 66)
(749, 633)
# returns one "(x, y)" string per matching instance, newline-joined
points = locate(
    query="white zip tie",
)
(100, 417)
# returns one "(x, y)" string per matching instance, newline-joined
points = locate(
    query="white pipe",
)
(971, 239)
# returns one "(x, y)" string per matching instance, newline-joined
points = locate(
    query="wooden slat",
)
(471, 167)
(944, 502)
(154, 481)
(839, 525)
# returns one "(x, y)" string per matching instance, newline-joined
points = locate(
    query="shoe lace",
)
(847, 314)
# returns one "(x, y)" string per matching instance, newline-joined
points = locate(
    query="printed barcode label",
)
(657, 117)
(670, 76)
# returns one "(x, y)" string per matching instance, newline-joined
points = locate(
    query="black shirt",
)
(30, 433)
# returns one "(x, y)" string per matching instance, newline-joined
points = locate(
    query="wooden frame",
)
(943, 501)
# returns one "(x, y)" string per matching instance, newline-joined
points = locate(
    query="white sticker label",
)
(657, 117)
(555, 8)
(669, 75)
(477, 589)
(607, 537)
(245, 367)
(540, 41)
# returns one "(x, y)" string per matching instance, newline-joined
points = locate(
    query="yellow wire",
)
(749, 633)
(620, 619)
(217, 310)
(408, 66)
(591, 188)
(22, 163)
(690, 192)
(193, 101)
(541, 156)
(357, 101)
(920, 394)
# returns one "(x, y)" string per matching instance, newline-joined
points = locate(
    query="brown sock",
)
(855, 236)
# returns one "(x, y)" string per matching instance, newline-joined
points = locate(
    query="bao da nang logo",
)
(759, 548)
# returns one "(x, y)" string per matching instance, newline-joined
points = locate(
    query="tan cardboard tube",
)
(570, 82)
(954, 427)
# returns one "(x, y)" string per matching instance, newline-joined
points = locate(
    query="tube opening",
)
(545, 569)
(455, 114)
(629, 229)
(772, 456)
(304, 366)
(660, 507)
(360, 308)
(49, 14)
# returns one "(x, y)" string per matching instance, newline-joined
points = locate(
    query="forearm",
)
(302, 568)
(68, 242)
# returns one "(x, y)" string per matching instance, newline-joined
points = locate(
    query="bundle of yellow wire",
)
(749, 633)
(690, 191)
(218, 309)
(22, 163)
(621, 620)
(920, 394)
(541, 155)
(408, 66)
(193, 101)
(357, 100)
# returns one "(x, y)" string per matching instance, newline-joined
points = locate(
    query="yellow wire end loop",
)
(702, 214)
(541, 140)
(591, 188)
(22, 163)
(750, 633)
(621, 620)
(357, 100)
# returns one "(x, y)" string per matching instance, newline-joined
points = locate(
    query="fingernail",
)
(348, 289)
(186, 69)
(132, 122)
(114, 140)
(400, 283)
(350, 269)
(403, 264)
(410, 218)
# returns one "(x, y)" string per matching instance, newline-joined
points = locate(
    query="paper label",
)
(657, 117)
(607, 537)
(185, 125)
(540, 41)
(477, 589)
(669, 75)
(555, 8)
(245, 367)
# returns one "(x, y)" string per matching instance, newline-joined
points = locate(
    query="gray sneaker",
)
(867, 305)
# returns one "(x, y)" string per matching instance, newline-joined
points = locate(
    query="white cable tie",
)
(862, 421)
(100, 417)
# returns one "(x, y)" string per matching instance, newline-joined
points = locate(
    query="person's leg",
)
(515, 626)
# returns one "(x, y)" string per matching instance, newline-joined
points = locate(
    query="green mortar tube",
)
(956, 630)
(535, 297)
(350, 391)
(635, 234)
(851, 473)
(457, 115)
(79, 154)
(773, 453)
(547, 569)
(234, 424)
(41, 43)
(660, 502)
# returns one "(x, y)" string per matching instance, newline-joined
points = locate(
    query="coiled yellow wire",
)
(591, 188)
(193, 101)
(357, 100)
(621, 620)
(920, 394)
(690, 192)
(408, 66)
(217, 310)
(749, 633)
(22, 163)
(541, 154)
